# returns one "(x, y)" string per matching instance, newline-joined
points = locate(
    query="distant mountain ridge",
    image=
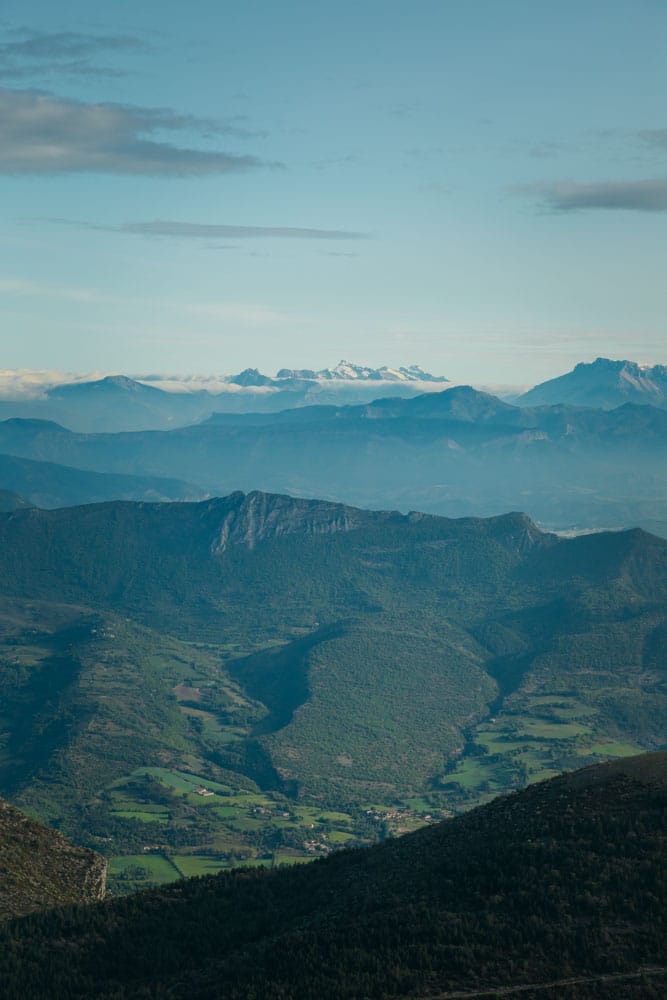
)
(604, 384)
(349, 371)
(119, 403)
(154, 402)
(48, 484)
(456, 452)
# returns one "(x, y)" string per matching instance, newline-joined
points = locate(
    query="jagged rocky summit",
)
(604, 383)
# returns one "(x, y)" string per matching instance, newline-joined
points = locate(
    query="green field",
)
(141, 815)
(615, 749)
(239, 827)
(140, 869)
(189, 865)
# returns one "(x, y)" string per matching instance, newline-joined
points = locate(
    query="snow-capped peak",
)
(350, 371)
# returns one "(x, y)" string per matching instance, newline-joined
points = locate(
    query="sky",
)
(475, 186)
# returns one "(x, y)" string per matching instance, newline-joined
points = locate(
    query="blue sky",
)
(477, 187)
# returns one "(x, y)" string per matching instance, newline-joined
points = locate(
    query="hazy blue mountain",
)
(603, 383)
(46, 484)
(458, 452)
(113, 403)
(119, 403)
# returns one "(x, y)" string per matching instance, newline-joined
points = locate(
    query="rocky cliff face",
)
(257, 517)
(39, 868)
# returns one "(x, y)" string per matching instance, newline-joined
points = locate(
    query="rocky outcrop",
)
(257, 517)
(603, 383)
(39, 868)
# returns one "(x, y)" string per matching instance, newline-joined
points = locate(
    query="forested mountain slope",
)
(325, 673)
(9, 501)
(562, 883)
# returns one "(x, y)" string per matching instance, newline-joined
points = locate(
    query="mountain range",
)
(160, 402)
(459, 452)
(119, 403)
(244, 679)
(48, 484)
(556, 891)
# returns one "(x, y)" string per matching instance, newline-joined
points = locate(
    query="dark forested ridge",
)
(562, 881)
(255, 678)
(9, 501)
(39, 868)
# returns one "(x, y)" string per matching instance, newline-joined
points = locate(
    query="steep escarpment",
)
(259, 516)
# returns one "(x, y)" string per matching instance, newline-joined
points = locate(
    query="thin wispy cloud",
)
(31, 53)
(198, 230)
(45, 134)
(35, 289)
(169, 229)
(655, 137)
(615, 196)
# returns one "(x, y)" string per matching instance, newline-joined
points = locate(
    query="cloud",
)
(198, 230)
(44, 134)
(32, 289)
(27, 383)
(628, 196)
(654, 137)
(38, 53)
